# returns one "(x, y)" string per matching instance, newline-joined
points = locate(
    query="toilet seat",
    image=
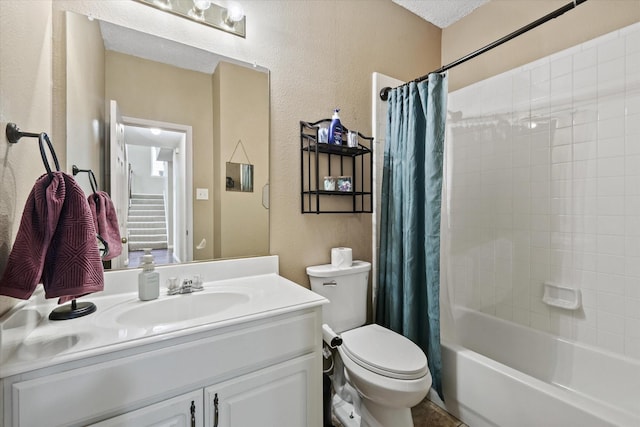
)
(384, 352)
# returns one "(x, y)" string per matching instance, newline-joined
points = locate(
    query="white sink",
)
(179, 308)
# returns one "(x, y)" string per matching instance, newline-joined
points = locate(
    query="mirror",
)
(156, 121)
(239, 177)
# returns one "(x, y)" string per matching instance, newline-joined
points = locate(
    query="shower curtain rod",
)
(384, 93)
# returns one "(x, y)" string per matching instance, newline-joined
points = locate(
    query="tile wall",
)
(544, 170)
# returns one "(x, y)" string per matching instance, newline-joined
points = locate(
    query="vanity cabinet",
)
(263, 372)
(276, 396)
(180, 411)
(335, 178)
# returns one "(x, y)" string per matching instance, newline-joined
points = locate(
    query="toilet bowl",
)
(388, 371)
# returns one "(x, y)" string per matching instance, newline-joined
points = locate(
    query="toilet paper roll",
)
(332, 339)
(341, 257)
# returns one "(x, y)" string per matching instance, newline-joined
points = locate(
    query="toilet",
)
(385, 374)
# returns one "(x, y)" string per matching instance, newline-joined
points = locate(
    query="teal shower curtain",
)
(409, 264)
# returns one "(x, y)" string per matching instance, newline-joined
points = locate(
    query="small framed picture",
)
(344, 183)
(329, 183)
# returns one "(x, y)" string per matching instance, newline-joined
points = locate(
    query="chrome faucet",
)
(188, 286)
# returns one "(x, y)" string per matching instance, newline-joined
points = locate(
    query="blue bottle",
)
(335, 129)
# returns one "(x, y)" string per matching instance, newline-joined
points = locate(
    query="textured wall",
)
(320, 53)
(496, 19)
(25, 98)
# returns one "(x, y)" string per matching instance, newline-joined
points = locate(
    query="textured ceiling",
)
(147, 46)
(441, 12)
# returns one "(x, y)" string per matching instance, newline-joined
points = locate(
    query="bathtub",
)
(498, 373)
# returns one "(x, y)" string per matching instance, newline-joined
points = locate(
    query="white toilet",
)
(388, 371)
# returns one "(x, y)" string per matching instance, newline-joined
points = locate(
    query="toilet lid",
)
(384, 352)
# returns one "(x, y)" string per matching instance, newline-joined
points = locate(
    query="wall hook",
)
(14, 133)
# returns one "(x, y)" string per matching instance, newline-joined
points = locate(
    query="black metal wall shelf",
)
(318, 160)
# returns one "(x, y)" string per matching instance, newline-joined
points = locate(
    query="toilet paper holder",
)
(332, 339)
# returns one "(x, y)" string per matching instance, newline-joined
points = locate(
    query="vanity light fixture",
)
(230, 19)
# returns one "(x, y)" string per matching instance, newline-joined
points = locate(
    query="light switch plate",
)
(202, 194)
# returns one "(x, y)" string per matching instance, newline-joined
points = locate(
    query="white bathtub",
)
(502, 374)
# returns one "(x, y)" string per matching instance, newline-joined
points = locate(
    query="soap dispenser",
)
(148, 279)
(335, 129)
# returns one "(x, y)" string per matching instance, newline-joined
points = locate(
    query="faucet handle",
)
(172, 284)
(197, 282)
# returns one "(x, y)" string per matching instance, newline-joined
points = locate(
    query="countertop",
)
(29, 340)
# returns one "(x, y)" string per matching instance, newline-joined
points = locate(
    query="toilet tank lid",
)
(328, 270)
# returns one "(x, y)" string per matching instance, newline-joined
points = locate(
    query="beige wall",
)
(185, 99)
(244, 116)
(85, 86)
(25, 98)
(217, 179)
(501, 17)
(320, 53)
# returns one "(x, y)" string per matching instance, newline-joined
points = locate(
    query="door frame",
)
(379, 126)
(186, 240)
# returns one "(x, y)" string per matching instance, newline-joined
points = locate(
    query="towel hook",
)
(92, 178)
(14, 134)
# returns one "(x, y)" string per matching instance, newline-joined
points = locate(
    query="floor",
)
(428, 414)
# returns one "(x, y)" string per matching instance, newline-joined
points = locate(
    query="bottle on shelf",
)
(335, 129)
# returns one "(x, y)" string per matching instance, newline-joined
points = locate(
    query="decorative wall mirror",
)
(239, 177)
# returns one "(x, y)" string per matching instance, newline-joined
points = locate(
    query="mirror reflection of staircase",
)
(146, 222)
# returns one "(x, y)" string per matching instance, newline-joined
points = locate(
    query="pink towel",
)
(55, 245)
(106, 222)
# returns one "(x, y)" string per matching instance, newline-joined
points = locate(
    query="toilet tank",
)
(346, 290)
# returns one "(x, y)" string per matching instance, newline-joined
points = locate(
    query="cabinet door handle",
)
(193, 414)
(215, 410)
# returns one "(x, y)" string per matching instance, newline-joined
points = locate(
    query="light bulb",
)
(232, 14)
(202, 4)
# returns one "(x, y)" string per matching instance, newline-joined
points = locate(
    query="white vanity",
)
(244, 352)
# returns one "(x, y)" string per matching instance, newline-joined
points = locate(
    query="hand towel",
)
(55, 245)
(105, 221)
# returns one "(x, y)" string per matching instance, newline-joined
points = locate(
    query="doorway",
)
(160, 187)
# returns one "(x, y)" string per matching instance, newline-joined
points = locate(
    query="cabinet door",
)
(180, 411)
(284, 395)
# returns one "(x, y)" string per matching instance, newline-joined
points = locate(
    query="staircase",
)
(146, 223)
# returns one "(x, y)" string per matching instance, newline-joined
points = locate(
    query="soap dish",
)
(562, 296)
